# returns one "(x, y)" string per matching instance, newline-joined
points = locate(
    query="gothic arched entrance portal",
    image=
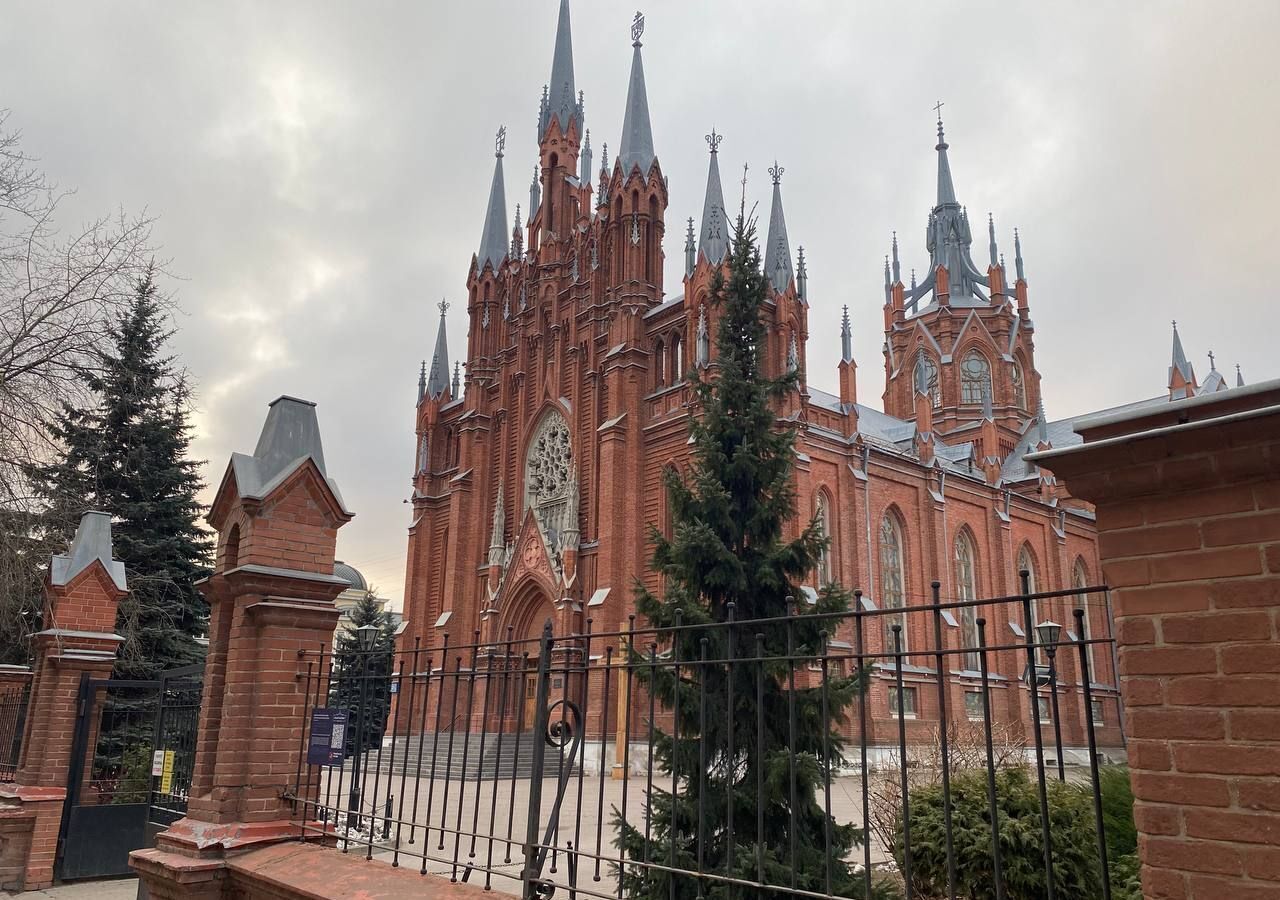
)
(529, 609)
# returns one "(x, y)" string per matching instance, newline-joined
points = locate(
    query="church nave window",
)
(975, 378)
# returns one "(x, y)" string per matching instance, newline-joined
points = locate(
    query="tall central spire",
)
(946, 190)
(713, 241)
(561, 101)
(438, 379)
(637, 134)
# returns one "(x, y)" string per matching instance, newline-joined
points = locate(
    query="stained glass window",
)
(975, 377)
(892, 576)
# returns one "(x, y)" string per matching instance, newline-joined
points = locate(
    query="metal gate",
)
(119, 787)
(174, 755)
(13, 717)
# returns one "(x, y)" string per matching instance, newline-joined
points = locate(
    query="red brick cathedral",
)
(538, 472)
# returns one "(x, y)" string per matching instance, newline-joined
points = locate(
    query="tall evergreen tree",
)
(728, 559)
(128, 456)
(355, 671)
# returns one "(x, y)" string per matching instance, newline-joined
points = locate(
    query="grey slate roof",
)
(777, 253)
(562, 98)
(713, 242)
(91, 544)
(290, 436)
(637, 133)
(351, 575)
(493, 239)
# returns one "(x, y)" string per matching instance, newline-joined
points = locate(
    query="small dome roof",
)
(351, 575)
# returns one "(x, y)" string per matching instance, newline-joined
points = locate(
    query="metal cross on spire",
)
(775, 172)
(713, 140)
(500, 142)
(443, 306)
(637, 28)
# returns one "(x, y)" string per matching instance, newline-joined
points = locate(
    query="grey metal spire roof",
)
(713, 242)
(1042, 423)
(777, 253)
(422, 381)
(946, 189)
(1239, 377)
(949, 241)
(690, 250)
(584, 163)
(562, 98)
(1180, 361)
(846, 337)
(991, 239)
(493, 240)
(637, 134)
(92, 543)
(290, 436)
(535, 193)
(438, 380)
(802, 277)
(1017, 255)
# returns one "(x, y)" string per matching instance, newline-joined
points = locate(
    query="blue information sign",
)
(328, 741)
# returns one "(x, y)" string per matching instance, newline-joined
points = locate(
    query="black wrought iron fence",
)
(862, 754)
(13, 717)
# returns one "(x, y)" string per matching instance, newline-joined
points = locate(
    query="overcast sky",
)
(320, 171)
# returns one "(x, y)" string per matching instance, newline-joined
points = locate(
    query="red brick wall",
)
(1189, 534)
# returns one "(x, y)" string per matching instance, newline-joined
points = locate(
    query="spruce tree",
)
(351, 667)
(128, 456)
(727, 559)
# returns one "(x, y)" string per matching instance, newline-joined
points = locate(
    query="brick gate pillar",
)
(83, 589)
(277, 515)
(1188, 505)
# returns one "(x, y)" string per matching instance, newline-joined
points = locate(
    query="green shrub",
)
(1071, 818)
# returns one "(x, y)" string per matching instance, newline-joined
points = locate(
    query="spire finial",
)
(637, 28)
(1017, 255)
(991, 237)
(937, 108)
(443, 306)
(1239, 376)
(775, 172)
(713, 140)
(500, 142)
(1212, 366)
(897, 269)
(846, 336)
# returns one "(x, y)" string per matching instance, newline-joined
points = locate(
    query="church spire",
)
(991, 240)
(561, 100)
(777, 254)
(846, 337)
(1017, 257)
(713, 242)
(1182, 375)
(802, 277)
(438, 380)
(493, 240)
(637, 134)
(535, 194)
(690, 250)
(422, 380)
(584, 170)
(946, 190)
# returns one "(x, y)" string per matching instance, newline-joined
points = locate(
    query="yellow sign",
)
(166, 775)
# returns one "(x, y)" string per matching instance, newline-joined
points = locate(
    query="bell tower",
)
(961, 337)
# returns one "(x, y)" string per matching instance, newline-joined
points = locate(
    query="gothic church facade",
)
(537, 474)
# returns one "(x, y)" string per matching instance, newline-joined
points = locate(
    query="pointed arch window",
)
(677, 359)
(967, 590)
(660, 364)
(975, 377)
(1080, 581)
(1019, 386)
(892, 576)
(930, 379)
(822, 515)
(1027, 563)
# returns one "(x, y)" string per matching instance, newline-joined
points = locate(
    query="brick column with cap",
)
(83, 589)
(271, 594)
(1188, 504)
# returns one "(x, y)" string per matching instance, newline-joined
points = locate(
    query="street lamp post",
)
(1049, 632)
(366, 639)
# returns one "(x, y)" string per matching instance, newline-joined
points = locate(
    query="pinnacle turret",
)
(690, 250)
(584, 168)
(713, 241)
(802, 277)
(637, 134)
(422, 381)
(846, 337)
(777, 254)
(535, 194)
(493, 240)
(438, 379)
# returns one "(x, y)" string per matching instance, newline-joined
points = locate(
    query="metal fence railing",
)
(13, 716)
(809, 754)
